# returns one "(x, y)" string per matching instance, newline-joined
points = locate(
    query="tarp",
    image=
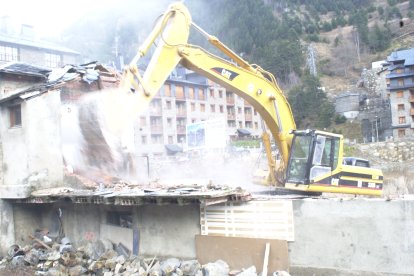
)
(243, 132)
(173, 148)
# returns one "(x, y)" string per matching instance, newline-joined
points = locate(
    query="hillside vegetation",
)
(276, 34)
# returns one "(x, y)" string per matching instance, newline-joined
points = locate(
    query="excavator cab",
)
(314, 155)
(315, 165)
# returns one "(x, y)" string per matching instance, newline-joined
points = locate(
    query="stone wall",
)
(393, 151)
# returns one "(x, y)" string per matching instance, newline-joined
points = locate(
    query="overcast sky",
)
(49, 17)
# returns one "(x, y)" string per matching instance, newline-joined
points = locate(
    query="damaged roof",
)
(21, 68)
(180, 194)
(89, 73)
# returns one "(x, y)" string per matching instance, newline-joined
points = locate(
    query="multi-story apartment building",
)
(188, 98)
(400, 86)
(24, 46)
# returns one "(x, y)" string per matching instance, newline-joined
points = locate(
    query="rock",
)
(155, 270)
(108, 273)
(108, 245)
(18, 261)
(190, 267)
(53, 256)
(218, 268)
(94, 250)
(14, 251)
(122, 250)
(65, 248)
(251, 271)
(77, 270)
(120, 259)
(109, 254)
(96, 265)
(178, 272)
(118, 268)
(110, 264)
(142, 271)
(168, 266)
(32, 257)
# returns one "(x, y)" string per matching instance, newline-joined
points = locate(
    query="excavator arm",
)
(312, 159)
(250, 82)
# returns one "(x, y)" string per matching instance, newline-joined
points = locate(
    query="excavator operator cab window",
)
(323, 156)
(298, 162)
(312, 157)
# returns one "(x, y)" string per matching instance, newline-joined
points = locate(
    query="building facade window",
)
(53, 60)
(401, 133)
(401, 120)
(169, 122)
(179, 92)
(9, 53)
(400, 82)
(15, 115)
(400, 107)
(144, 139)
(170, 139)
(201, 94)
(213, 108)
(191, 93)
(202, 107)
(211, 93)
(167, 90)
(400, 94)
(221, 109)
(193, 107)
(168, 103)
(142, 121)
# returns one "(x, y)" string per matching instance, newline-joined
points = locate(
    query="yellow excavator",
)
(311, 160)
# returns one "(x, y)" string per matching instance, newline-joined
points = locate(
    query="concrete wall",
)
(360, 235)
(332, 236)
(167, 230)
(32, 152)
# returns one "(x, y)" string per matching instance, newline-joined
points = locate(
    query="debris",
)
(251, 271)
(218, 268)
(190, 267)
(266, 259)
(122, 250)
(169, 266)
(40, 242)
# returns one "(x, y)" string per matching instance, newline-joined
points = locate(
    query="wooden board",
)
(269, 219)
(241, 253)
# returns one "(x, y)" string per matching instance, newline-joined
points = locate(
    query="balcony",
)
(156, 129)
(230, 100)
(180, 129)
(231, 116)
(181, 112)
(155, 111)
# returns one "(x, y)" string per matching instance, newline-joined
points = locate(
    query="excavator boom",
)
(312, 163)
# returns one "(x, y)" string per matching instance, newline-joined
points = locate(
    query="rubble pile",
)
(104, 258)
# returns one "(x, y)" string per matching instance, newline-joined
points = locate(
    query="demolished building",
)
(57, 159)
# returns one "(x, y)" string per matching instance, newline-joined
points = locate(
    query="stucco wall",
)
(6, 226)
(32, 152)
